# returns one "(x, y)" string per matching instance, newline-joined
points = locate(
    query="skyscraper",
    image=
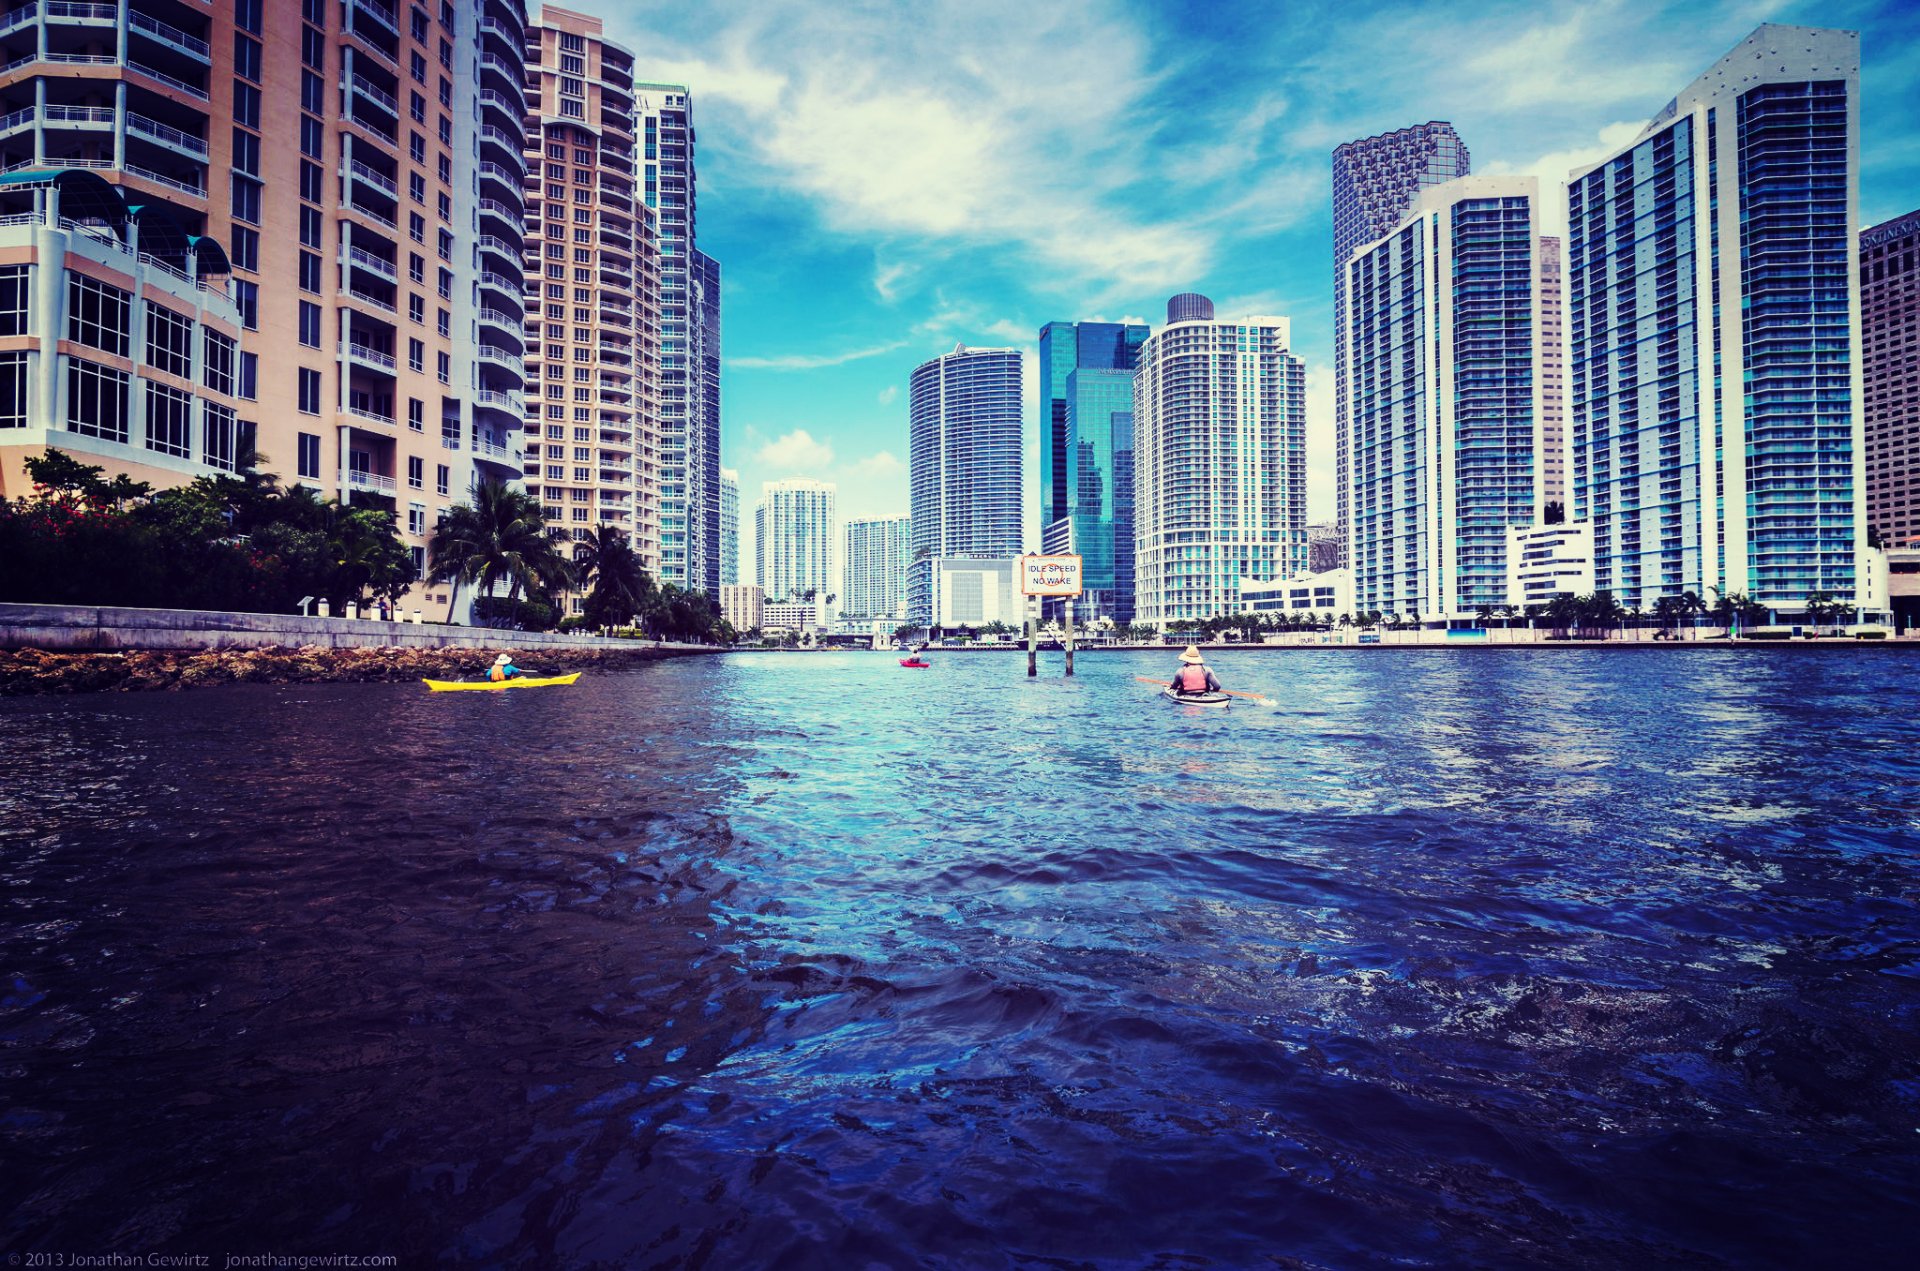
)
(963, 463)
(1220, 463)
(592, 299)
(1446, 415)
(729, 527)
(1890, 342)
(793, 530)
(1375, 181)
(689, 343)
(1553, 378)
(1086, 438)
(331, 149)
(1713, 308)
(875, 580)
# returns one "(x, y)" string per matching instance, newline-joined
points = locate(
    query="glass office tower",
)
(1713, 319)
(1086, 429)
(963, 463)
(1447, 413)
(1375, 181)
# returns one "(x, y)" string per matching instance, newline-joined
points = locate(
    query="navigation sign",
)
(1050, 575)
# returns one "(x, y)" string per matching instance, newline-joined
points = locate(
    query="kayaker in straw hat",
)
(503, 669)
(1194, 676)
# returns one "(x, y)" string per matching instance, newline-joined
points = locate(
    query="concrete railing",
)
(88, 628)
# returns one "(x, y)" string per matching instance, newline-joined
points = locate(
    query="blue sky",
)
(880, 181)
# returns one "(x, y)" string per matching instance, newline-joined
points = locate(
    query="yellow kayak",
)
(525, 681)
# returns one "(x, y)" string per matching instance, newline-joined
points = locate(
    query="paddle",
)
(1255, 698)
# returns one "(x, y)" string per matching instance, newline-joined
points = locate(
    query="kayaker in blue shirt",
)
(503, 669)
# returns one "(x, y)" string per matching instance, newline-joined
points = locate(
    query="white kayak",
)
(1197, 699)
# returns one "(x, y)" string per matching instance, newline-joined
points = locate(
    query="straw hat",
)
(1192, 654)
(502, 660)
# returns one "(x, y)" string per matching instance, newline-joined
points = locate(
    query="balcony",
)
(66, 11)
(493, 452)
(159, 77)
(504, 358)
(364, 415)
(375, 178)
(171, 36)
(495, 399)
(367, 355)
(360, 258)
(172, 138)
(508, 322)
(357, 296)
(375, 94)
(359, 479)
(174, 183)
(379, 13)
(509, 287)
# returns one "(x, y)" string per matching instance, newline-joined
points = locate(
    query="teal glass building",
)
(1086, 457)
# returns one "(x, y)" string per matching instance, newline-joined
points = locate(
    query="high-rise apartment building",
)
(729, 528)
(592, 291)
(1713, 309)
(793, 538)
(1890, 346)
(1375, 181)
(1086, 443)
(1446, 411)
(689, 343)
(1220, 462)
(334, 149)
(1552, 457)
(874, 584)
(963, 463)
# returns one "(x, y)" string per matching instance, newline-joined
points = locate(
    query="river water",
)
(1489, 957)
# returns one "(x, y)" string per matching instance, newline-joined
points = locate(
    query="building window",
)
(246, 148)
(309, 391)
(13, 389)
(13, 300)
(416, 355)
(313, 94)
(311, 233)
(98, 316)
(219, 353)
(246, 297)
(310, 324)
(246, 57)
(249, 386)
(246, 249)
(311, 179)
(416, 414)
(416, 472)
(169, 341)
(416, 187)
(244, 200)
(417, 308)
(416, 518)
(308, 462)
(246, 110)
(312, 137)
(96, 400)
(440, 477)
(445, 367)
(169, 420)
(219, 437)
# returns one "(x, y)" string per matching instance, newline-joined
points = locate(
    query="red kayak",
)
(915, 662)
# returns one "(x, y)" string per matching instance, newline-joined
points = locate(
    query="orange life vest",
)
(497, 674)
(1193, 678)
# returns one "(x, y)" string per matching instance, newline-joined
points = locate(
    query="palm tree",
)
(621, 586)
(502, 534)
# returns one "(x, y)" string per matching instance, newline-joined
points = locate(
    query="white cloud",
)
(810, 361)
(989, 124)
(796, 451)
(887, 279)
(1554, 167)
(889, 394)
(877, 466)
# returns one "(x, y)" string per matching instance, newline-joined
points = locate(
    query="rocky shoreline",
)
(26, 672)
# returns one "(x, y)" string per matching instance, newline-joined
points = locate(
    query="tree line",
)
(244, 543)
